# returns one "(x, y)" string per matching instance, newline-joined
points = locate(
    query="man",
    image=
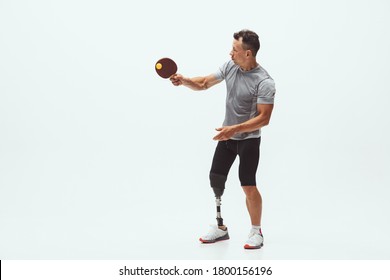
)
(249, 104)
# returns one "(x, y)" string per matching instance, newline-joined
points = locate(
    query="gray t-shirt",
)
(245, 89)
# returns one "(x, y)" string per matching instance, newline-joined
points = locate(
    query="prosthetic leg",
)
(217, 183)
(219, 218)
(218, 233)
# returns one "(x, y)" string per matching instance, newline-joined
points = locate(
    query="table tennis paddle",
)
(165, 67)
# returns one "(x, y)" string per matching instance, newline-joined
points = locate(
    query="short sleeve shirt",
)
(245, 89)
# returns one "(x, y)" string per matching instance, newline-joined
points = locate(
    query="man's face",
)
(238, 54)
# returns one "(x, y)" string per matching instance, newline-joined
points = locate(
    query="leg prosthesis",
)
(217, 182)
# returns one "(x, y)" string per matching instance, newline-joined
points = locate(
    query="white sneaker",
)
(255, 240)
(215, 234)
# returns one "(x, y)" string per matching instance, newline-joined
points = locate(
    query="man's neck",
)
(251, 64)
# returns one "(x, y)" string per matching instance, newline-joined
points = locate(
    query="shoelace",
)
(254, 239)
(253, 233)
(212, 234)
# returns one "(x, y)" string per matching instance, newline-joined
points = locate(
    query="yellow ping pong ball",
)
(158, 66)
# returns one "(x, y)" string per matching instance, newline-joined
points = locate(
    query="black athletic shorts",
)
(248, 151)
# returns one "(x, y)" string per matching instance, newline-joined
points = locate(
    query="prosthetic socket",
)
(217, 183)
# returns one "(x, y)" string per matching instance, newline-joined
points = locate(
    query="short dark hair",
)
(250, 40)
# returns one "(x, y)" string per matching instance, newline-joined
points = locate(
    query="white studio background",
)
(102, 159)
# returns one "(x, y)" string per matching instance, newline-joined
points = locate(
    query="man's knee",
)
(251, 192)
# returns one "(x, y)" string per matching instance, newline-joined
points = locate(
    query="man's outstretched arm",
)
(196, 83)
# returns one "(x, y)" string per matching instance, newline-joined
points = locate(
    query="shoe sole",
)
(222, 238)
(246, 246)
